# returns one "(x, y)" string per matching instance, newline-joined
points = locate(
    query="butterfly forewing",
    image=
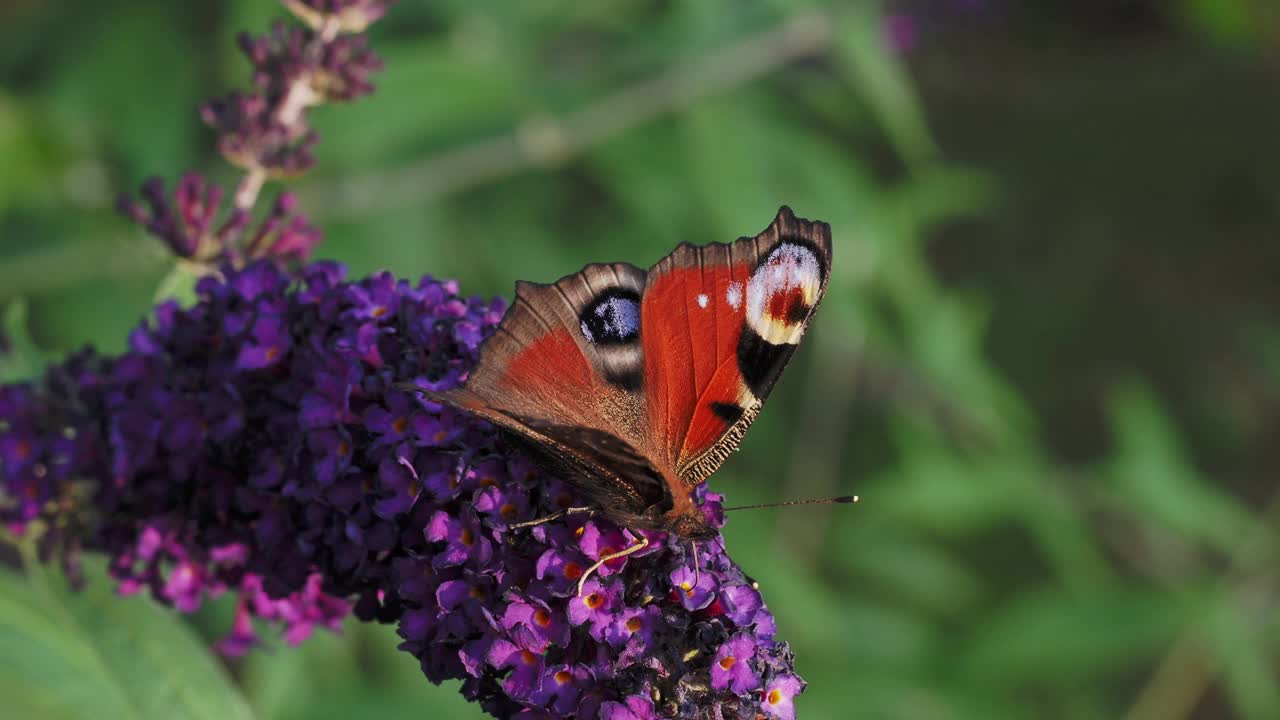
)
(719, 322)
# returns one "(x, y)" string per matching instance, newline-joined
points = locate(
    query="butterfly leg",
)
(644, 543)
(693, 545)
(552, 517)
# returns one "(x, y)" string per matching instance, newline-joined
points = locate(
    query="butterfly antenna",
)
(823, 501)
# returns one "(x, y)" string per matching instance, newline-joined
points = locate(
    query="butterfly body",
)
(634, 385)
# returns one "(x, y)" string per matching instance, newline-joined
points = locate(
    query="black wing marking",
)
(606, 468)
(608, 471)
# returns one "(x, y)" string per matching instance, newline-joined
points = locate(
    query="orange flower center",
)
(593, 601)
(578, 533)
(728, 662)
(633, 625)
(379, 311)
(508, 511)
(530, 659)
(344, 448)
(487, 480)
(541, 617)
(563, 677)
(477, 593)
(23, 450)
(572, 570)
(400, 424)
(273, 352)
(467, 538)
(774, 697)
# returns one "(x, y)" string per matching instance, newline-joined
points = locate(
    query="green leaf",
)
(66, 655)
(1151, 471)
(883, 83)
(179, 284)
(23, 360)
(358, 673)
(1051, 638)
(1231, 23)
(1246, 659)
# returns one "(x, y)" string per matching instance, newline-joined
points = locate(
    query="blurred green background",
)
(1049, 359)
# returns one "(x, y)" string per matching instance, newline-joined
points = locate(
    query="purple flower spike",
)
(339, 72)
(778, 696)
(258, 443)
(694, 589)
(251, 137)
(185, 222)
(539, 623)
(242, 637)
(732, 666)
(561, 687)
(526, 669)
(596, 606)
(284, 235)
(463, 542)
(351, 15)
(633, 708)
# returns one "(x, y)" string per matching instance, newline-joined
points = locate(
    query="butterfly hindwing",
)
(719, 322)
(563, 373)
(568, 353)
(607, 470)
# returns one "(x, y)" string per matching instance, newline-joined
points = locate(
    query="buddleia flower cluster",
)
(259, 443)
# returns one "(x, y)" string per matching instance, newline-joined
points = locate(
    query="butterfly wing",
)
(564, 373)
(636, 386)
(719, 323)
(569, 351)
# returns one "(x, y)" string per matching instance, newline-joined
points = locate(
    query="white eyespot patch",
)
(782, 292)
(702, 300)
(733, 295)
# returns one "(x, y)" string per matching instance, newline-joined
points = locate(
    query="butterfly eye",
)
(612, 318)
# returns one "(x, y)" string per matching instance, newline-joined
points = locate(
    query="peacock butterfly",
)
(633, 385)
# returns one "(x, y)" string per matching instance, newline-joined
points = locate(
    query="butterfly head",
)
(690, 525)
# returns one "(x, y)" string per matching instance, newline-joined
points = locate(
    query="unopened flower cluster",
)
(258, 443)
(266, 133)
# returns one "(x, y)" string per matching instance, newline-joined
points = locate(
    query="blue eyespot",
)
(612, 318)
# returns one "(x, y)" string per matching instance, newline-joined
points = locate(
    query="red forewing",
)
(718, 324)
